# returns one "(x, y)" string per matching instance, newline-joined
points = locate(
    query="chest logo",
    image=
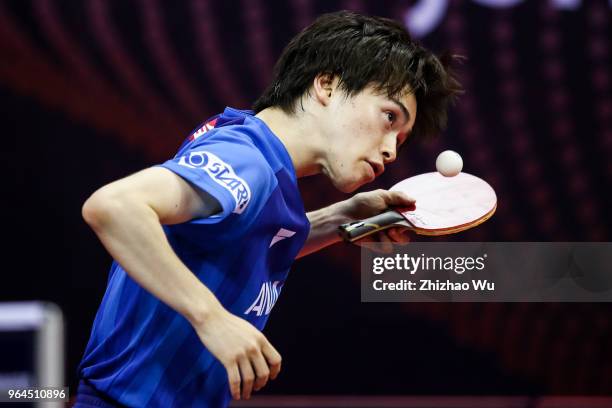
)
(280, 235)
(268, 295)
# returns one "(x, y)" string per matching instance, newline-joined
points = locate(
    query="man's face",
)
(363, 134)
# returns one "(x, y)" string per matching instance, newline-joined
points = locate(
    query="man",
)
(203, 243)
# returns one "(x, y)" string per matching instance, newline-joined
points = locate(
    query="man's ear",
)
(324, 86)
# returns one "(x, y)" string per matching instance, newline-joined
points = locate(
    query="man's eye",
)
(391, 117)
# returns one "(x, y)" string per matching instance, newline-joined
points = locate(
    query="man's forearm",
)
(324, 227)
(133, 235)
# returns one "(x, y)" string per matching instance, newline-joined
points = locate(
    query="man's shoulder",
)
(231, 142)
(234, 135)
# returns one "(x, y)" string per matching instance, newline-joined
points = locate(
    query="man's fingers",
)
(233, 376)
(382, 241)
(365, 241)
(398, 199)
(247, 375)
(399, 235)
(273, 358)
(386, 246)
(262, 372)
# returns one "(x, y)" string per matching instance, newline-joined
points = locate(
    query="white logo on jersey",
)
(266, 299)
(223, 174)
(280, 235)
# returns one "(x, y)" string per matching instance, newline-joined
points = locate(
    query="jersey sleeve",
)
(230, 169)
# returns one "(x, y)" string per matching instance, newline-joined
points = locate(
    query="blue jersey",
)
(141, 352)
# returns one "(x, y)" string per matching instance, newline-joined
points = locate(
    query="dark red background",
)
(91, 91)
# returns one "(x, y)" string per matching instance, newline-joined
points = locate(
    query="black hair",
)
(363, 50)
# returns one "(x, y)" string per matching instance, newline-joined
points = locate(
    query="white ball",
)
(449, 163)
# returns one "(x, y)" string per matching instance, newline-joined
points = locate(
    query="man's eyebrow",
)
(403, 108)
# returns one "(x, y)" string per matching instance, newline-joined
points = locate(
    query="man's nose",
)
(389, 152)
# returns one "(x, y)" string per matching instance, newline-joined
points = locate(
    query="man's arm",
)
(127, 215)
(324, 222)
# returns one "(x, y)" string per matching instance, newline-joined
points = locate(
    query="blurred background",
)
(91, 91)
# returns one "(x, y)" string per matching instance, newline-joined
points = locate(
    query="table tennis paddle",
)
(444, 205)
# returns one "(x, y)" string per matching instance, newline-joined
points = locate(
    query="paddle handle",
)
(355, 230)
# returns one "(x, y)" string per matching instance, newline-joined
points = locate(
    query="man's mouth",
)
(377, 168)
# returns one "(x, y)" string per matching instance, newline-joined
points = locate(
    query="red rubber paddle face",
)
(445, 205)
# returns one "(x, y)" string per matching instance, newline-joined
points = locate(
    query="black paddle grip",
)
(355, 230)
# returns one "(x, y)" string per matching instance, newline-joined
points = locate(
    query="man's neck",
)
(298, 137)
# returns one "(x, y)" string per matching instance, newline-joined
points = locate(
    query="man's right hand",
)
(246, 354)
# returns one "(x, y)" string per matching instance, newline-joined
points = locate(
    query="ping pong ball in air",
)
(449, 163)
